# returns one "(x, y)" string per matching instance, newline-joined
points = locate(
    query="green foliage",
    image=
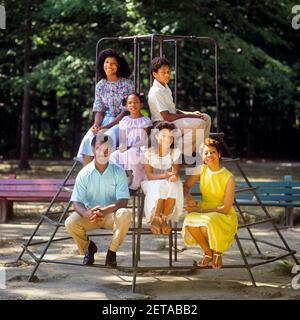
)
(259, 70)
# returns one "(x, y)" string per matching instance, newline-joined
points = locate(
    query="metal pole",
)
(151, 57)
(49, 242)
(170, 245)
(249, 230)
(176, 72)
(217, 90)
(138, 67)
(135, 63)
(133, 231)
(160, 46)
(48, 209)
(247, 266)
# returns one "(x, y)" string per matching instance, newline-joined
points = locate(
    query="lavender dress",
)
(133, 135)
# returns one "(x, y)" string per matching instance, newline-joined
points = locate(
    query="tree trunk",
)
(25, 123)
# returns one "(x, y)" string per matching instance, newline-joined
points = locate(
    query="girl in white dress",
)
(133, 139)
(163, 188)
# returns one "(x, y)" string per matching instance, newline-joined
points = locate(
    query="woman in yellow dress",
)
(212, 223)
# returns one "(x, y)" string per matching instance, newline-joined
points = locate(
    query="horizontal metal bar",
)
(274, 259)
(265, 204)
(48, 220)
(149, 37)
(45, 241)
(266, 242)
(157, 268)
(245, 189)
(217, 134)
(230, 159)
(68, 189)
(255, 223)
(143, 231)
(150, 269)
(76, 264)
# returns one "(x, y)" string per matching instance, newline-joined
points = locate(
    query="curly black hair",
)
(157, 63)
(169, 126)
(213, 143)
(165, 125)
(140, 95)
(123, 67)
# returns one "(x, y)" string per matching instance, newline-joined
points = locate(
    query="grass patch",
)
(283, 267)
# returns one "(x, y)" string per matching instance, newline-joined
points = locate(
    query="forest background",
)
(47, 70)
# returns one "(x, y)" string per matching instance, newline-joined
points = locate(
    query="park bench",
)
(30, 190)
(284, 193)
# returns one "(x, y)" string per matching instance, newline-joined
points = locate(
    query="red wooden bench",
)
(30, 190)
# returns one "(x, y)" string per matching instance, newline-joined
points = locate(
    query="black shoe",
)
(88, 259)
(111, 259)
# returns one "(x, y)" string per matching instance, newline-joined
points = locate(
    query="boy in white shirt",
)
(162, 108)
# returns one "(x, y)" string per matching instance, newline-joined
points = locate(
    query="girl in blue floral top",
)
(109, 93)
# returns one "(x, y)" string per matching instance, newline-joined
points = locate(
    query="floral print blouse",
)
(109, 95)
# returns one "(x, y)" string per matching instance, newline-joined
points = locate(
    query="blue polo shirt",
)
(93, 188)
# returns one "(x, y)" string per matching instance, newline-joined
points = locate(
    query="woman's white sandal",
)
(215, 265)
(200, 264)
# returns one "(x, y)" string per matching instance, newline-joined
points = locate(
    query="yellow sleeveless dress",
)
(221, 227)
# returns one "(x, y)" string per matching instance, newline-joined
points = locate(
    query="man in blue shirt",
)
(100, 197)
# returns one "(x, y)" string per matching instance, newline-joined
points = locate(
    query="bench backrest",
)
(284, 191)
(33, 189)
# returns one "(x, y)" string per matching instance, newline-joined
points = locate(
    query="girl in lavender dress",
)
(133, 137)
(109, 93)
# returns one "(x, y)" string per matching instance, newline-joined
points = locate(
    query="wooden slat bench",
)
(29, 190)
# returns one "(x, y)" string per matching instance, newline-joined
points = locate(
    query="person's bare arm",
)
(122, 203)
(151, 176)
(99, 116)
(197, 113)
(228, 200)
(175, 175)
(116, 120)
(167, 116)
(82, 210)
(98, 212)
(187, 186)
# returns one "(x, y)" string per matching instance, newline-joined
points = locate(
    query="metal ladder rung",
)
(245, 189)
(216, 134)
(68, 189)
(255, 223)
(226, 159)
(52, 222)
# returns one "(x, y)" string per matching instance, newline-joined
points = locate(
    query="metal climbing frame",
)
(57, 223)
(160, 41)
(137, 229)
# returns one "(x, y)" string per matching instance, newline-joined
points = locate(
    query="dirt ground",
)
(54, 281)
